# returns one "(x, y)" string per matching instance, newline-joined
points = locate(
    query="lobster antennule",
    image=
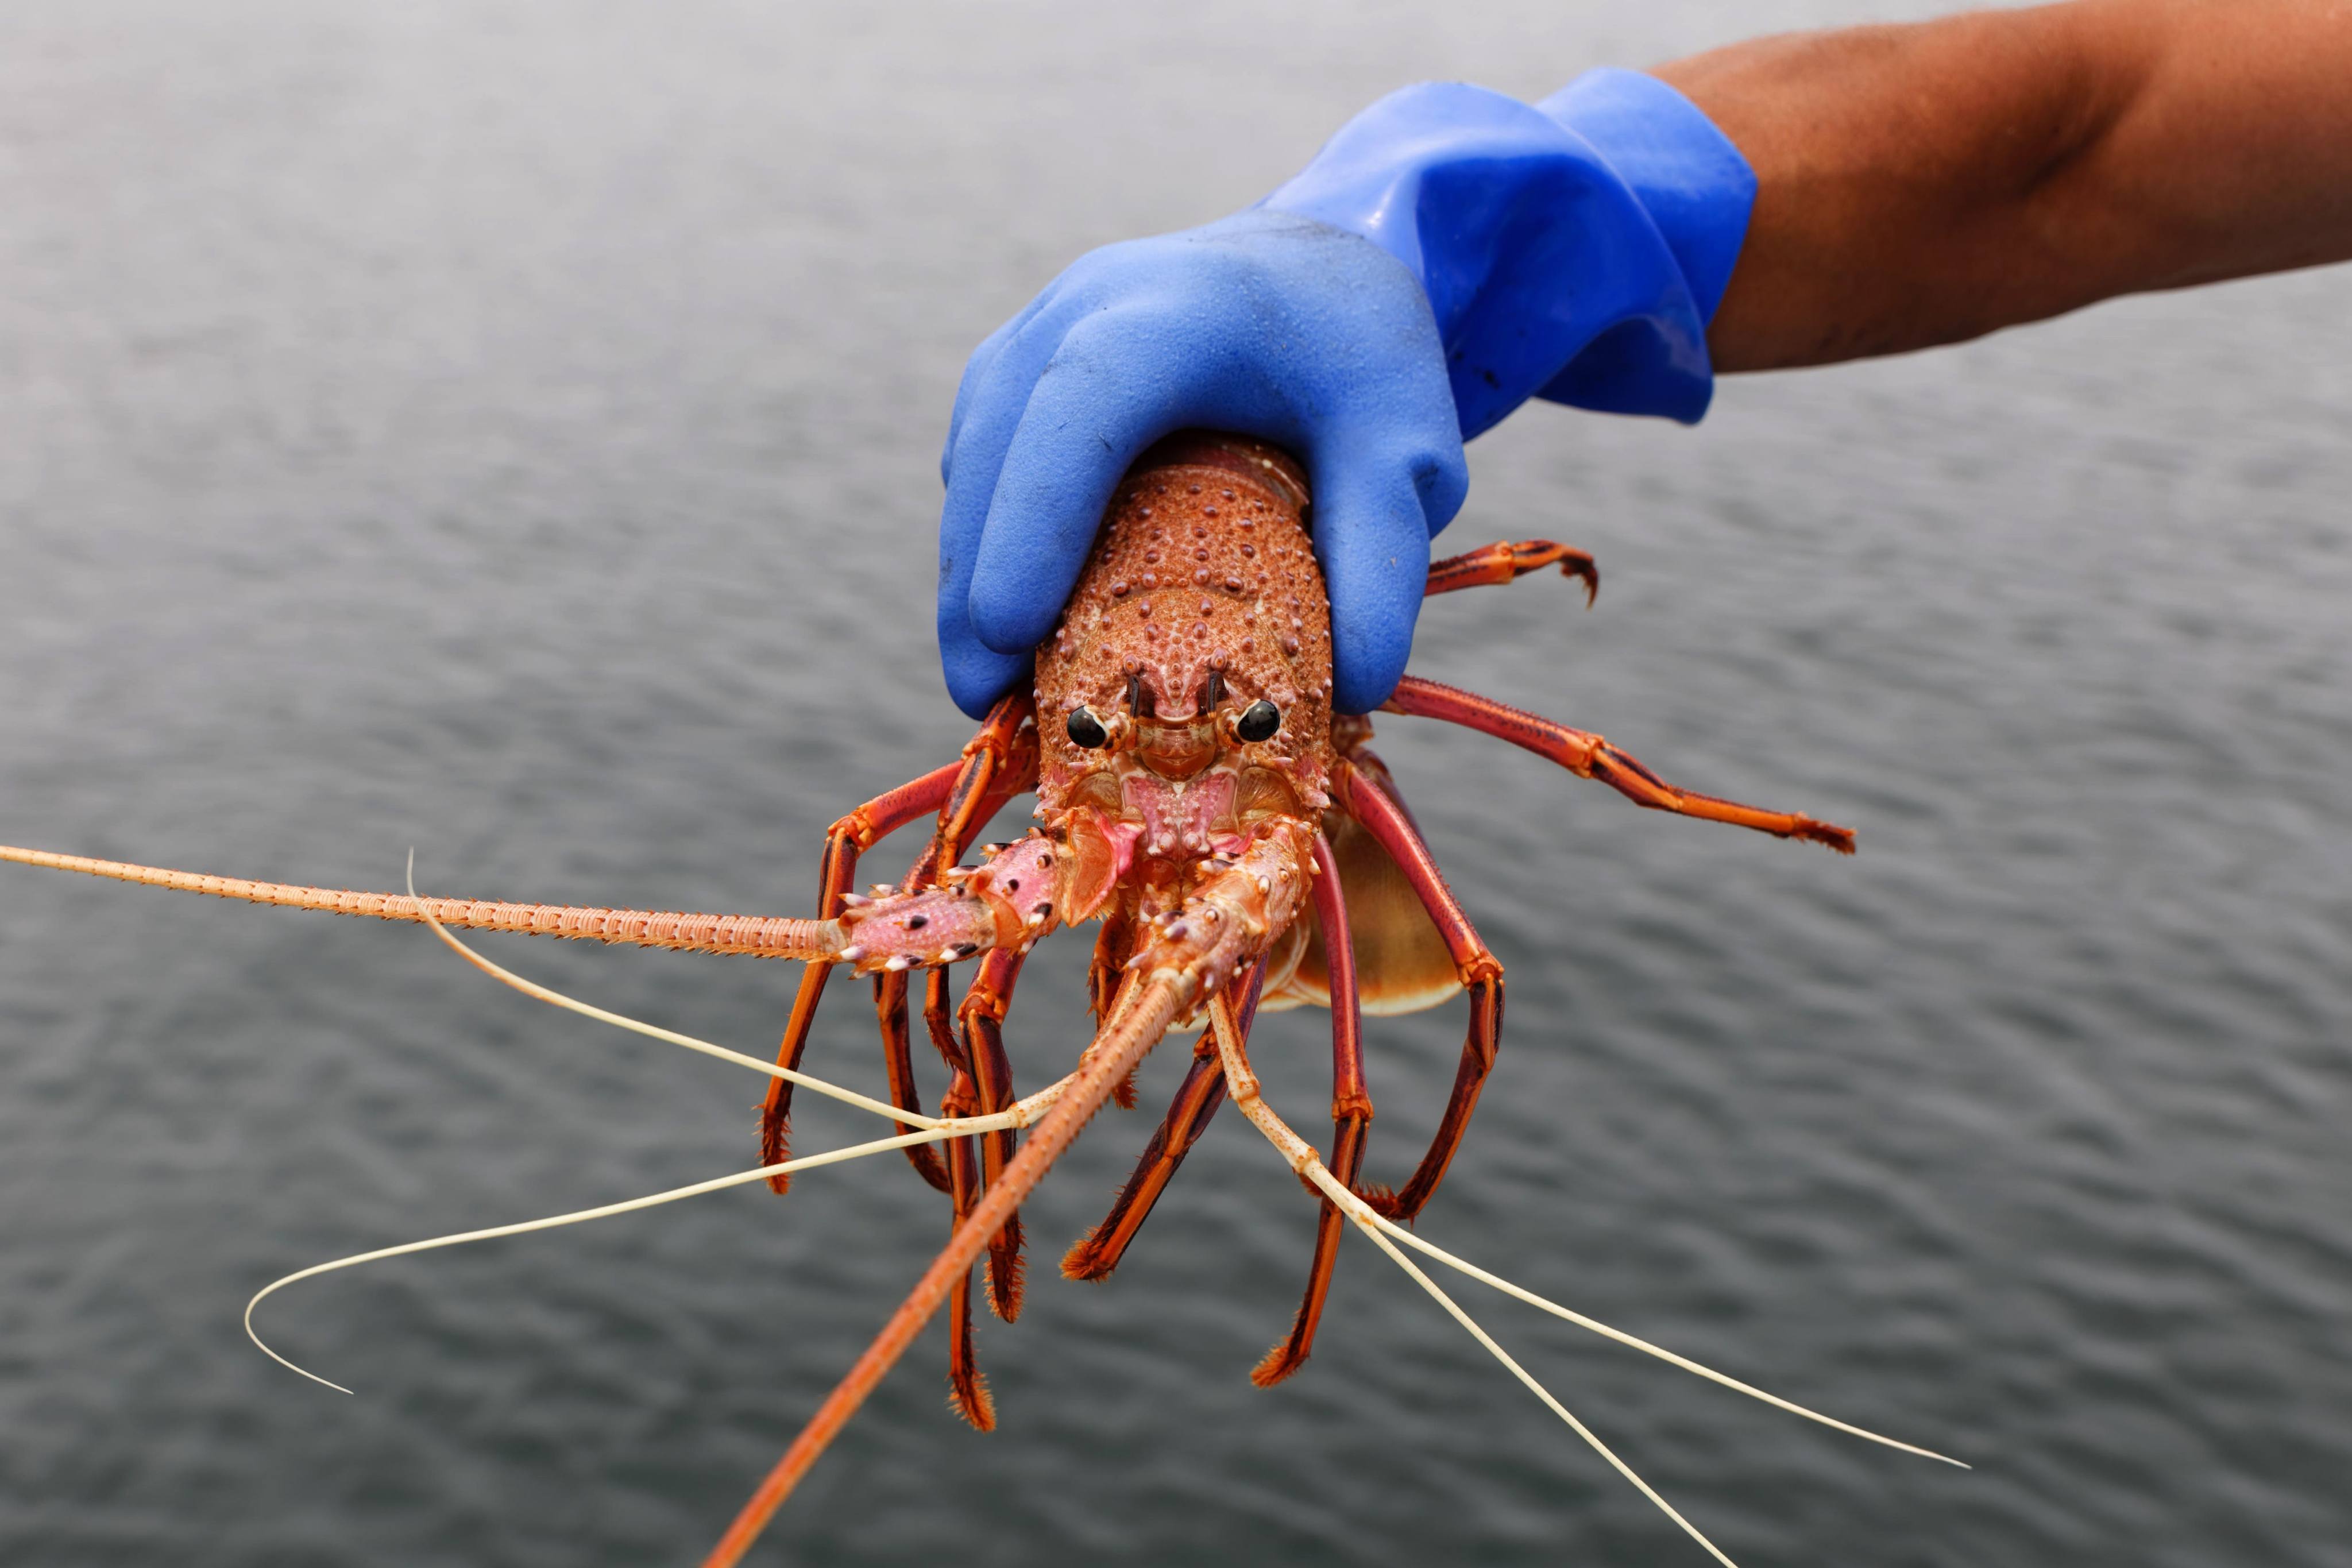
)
(757, 936)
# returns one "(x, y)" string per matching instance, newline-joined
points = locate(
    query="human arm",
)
(1931, 183)
(1452, 252)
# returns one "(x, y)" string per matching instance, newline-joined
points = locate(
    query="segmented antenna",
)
(757, 936)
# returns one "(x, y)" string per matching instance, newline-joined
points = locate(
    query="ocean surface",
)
(511, 431)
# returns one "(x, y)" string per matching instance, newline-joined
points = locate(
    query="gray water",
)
(511, 431)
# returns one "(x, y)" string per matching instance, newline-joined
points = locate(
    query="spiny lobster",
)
(1241, 844)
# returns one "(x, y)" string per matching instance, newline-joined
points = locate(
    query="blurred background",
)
(512, 430)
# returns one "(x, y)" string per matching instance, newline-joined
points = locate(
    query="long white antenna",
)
(935, 1129)
(1002, 1119)
(651, 1031)
(1243, 1084)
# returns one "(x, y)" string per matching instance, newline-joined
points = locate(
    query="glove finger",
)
(983, 361)
(1374, 513)
(977, 674)
(1119, 383)
(998, 378)
(989, 407)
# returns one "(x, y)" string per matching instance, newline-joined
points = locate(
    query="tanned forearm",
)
(1928, 184)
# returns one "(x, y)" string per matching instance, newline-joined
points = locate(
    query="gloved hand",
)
(1449, 254)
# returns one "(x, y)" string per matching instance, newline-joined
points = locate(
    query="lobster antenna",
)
(954, 1128)
(758, 936)
(1241, 1084)
(1376, 1223)
(1382, 1225)
(1540, 1392)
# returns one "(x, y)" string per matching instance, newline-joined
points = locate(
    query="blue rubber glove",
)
(1448, 255)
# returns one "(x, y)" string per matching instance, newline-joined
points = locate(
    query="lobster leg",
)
(844, 842)
(954, 791)
(1351, 1116)
(1112, 948)
(1096, 1253)
(1590, 757)
(1000, 762)
(966, 1389)
(898, 1063)
(1503, 562)
(985, 1001)
(1369, 798)
(939, 1020)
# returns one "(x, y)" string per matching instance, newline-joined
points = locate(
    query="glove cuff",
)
(1698, 191)
(1573, 251)
(1687, 174)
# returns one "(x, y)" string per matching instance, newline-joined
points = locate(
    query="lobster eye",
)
(1086, 729)
(1258, 722)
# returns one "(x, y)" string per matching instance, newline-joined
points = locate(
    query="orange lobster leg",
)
(939, 1021)
(1351, 1115)
(985, 1002)
(1094, 1254)
(1382, 815)
(1097, 1252)
(1590, 757)
(1000, 762)
(1112, 948)
(959, 791)
(967, 1388)
(899, 1063)
(844, 842)
(1503, 562)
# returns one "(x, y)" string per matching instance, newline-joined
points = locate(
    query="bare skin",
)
(1929, 183)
